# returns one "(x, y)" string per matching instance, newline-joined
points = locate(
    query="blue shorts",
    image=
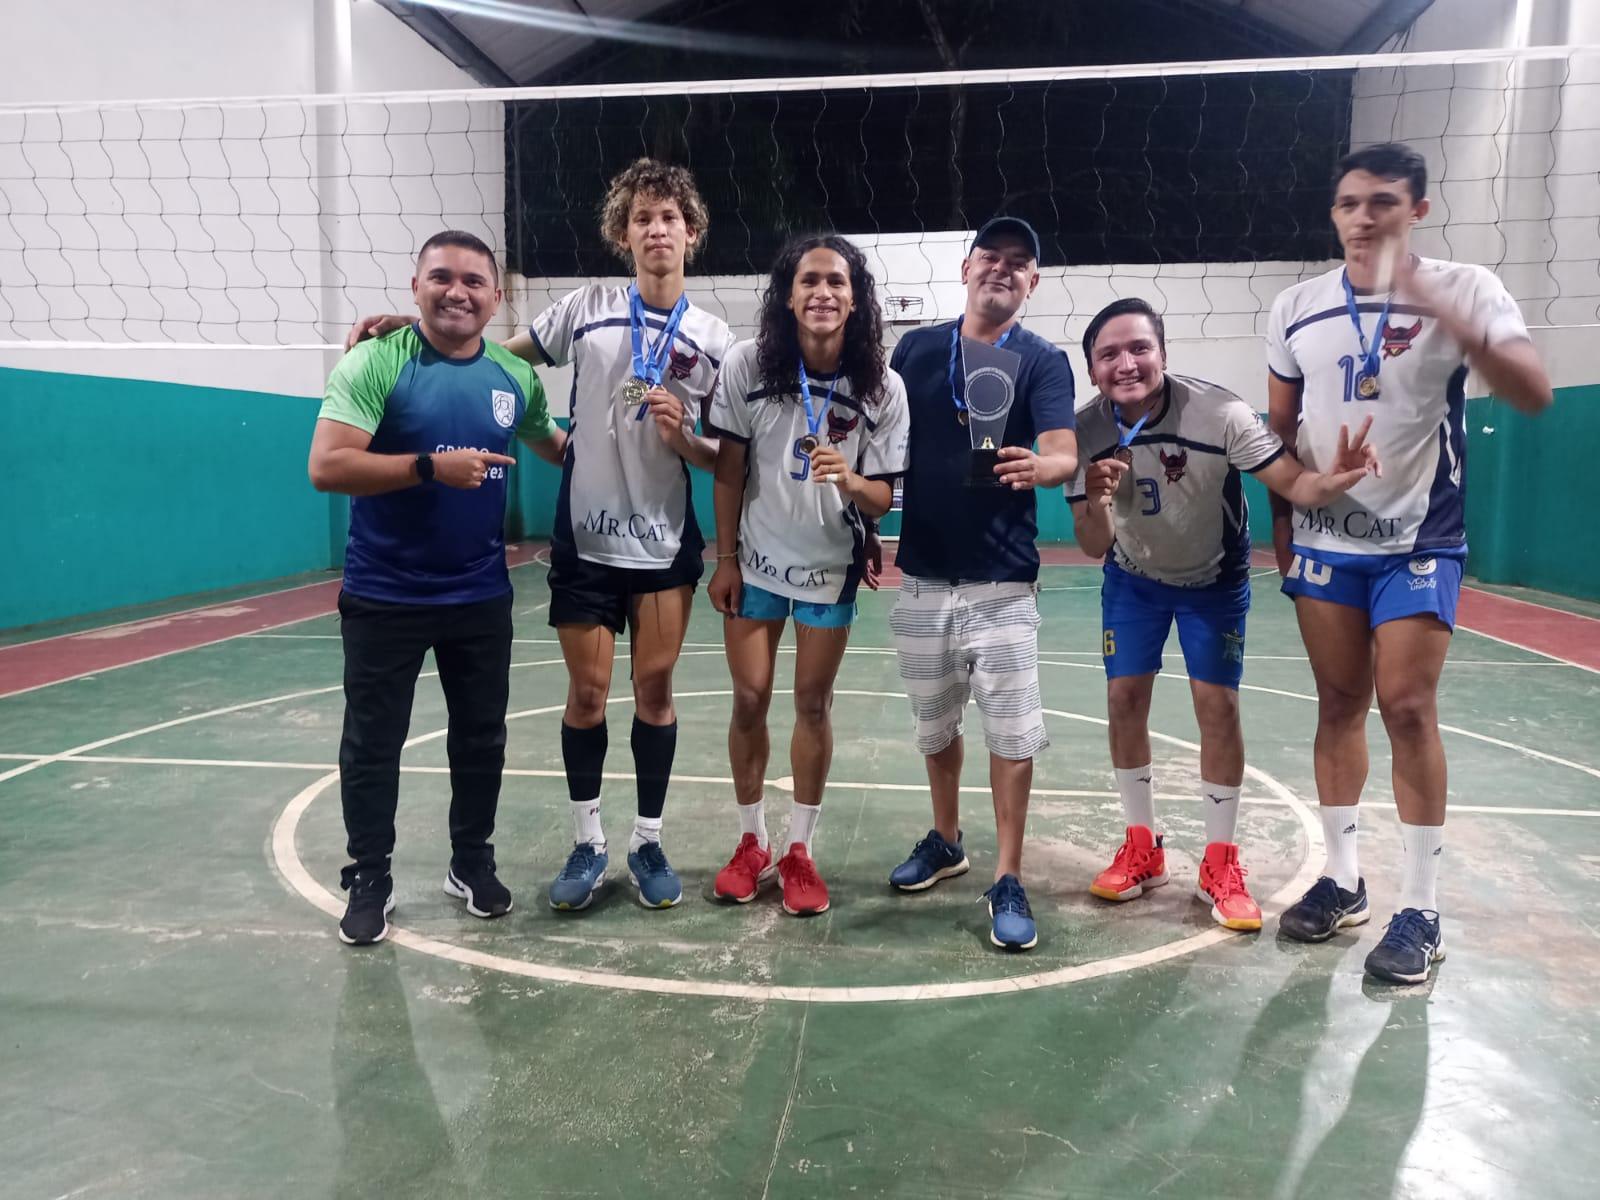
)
(1386, 587)
(758, 604)
(1136, 615)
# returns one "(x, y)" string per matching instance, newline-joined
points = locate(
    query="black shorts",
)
(591, 593)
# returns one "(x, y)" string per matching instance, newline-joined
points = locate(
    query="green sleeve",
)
(360, 385)
(536, 425)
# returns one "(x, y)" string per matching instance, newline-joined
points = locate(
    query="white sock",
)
(586, 822)
(1222, 811)
(1138, 796)
(1339, 823)
(1424, 845)
(645, 829)
(802, 824)
(753, 819)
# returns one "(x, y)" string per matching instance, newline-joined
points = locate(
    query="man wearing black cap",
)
(966, 618)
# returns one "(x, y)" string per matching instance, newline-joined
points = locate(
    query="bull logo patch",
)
(1397, 339)
(840, 427)
(682, 364)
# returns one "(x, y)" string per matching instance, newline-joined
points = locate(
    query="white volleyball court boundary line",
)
(286, 859)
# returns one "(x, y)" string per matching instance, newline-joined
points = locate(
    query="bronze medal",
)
(1124, 454)
(809, 443)
(961, 415)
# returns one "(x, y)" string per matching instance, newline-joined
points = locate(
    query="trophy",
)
(991, 386)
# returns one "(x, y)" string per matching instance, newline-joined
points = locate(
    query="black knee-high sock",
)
(653, 749)
(583, 753)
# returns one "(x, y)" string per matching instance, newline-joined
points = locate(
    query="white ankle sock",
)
(586, 822)
(1222, 811)
(1138, 796)
(1424, 846)
(802, 824)
(645, 829)
(753, 819)
(1339, 831)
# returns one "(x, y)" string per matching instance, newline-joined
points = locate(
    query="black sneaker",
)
(1411, 944)
(1324, 910)
(366, 917)
(475, 883)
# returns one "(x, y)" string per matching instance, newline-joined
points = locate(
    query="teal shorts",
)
(758, 604)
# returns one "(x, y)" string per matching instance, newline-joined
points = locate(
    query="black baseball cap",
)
(1015, 226)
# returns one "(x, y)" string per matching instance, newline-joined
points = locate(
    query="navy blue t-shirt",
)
(949, 530)
(432, 544)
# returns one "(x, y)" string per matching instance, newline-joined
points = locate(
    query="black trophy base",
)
(980, 469)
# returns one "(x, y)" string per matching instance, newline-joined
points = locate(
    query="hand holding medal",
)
(649, 357)
(1103, 478)
(668, 412)
(828, 466)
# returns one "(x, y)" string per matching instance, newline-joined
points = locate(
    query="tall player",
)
(1375, 575)
(966, 619)
(811, 429)
(1159, 496)
(626, 551)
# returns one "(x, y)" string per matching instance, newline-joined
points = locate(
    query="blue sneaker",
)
(932, 859)
(580, 879)
(1013, 927)
(658, 883)
(1324, 910)
(1411, 944)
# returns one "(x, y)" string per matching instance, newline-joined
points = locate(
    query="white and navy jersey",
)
(1180, 515)
(624, 497)
(1418, 504)
(797, 537)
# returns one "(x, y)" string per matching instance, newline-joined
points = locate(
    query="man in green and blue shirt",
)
(414, 426)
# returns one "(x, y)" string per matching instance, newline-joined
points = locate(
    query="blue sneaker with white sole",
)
(1013, 927)
(1325, 909)
(932, 859)
(658, 883)
(1412, 942)
(580, 878)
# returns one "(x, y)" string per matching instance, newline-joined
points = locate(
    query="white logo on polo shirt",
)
(505, 408)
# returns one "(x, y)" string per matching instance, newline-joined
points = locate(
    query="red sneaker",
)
(747, 870)
(804, 893)
(1140, 864)
(1222, 887)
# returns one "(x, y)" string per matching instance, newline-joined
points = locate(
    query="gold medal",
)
(633, 391)
(1367, 386)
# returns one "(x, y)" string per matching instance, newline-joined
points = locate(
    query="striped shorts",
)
(971, 639)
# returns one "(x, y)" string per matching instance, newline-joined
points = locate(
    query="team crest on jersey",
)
(1397, 340)
(1425, 565)
(682, 364)
(1175, 464)
(839, 427)
(505, 408)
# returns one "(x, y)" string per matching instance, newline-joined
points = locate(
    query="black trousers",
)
(384, 645)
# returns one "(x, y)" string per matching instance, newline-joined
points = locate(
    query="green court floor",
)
(178, 1019)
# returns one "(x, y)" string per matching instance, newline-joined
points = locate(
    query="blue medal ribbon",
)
(1125, 440)
(955, 361)
(1370, 353)
(814, 417)
(649, 359)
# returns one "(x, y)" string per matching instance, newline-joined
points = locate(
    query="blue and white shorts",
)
(1385, 586)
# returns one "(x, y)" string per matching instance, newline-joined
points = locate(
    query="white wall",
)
(263, 224)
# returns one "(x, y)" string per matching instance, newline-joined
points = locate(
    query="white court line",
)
(1371, 712)
(287, 860)
(1174, 655)
(1519, 646)
(782, 784)
(232, 637)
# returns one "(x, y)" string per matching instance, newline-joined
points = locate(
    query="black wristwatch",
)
(425, 467)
